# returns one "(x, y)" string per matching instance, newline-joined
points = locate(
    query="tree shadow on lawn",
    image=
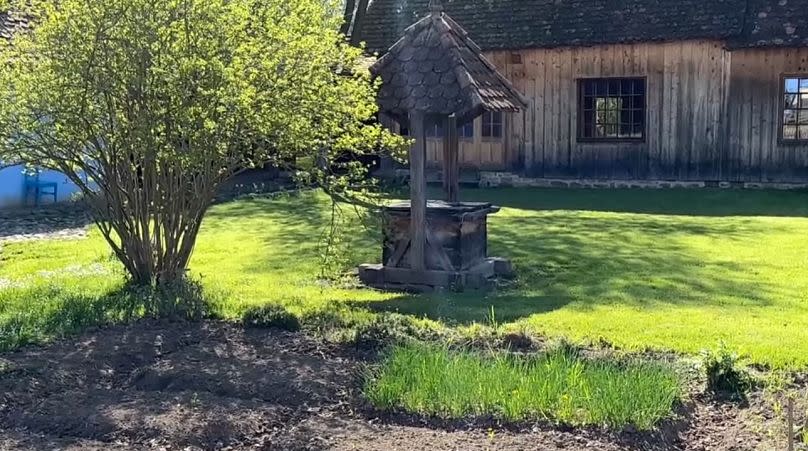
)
(291, 230)
(564, 258)
(580, 261)
(685, 202)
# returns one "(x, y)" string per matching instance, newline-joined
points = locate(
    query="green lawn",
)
(669, 269)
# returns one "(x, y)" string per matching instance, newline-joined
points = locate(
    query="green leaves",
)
(158, 102)
(222, 82)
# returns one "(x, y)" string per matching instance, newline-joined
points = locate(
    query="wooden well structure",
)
(436, 73)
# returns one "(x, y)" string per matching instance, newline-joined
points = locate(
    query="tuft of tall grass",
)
(559, 386)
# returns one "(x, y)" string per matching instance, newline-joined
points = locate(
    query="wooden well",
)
(456, 252)
(436, 72)
(457, 235)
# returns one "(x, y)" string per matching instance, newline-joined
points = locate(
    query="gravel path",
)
(68, 221)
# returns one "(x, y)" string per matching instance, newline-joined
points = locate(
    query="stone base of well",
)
(456, 253)
(481, 277)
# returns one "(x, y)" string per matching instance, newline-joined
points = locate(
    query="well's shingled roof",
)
(517, 24)
(436, 69)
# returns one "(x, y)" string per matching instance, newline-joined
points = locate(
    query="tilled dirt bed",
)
(161, 385)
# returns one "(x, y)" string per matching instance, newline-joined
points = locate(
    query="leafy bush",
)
(558, 385)
(726, 376)
(271, 316)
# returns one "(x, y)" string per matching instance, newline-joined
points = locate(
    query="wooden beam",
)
(451, 167)
(418, 192)
(347, 16)
(358, 21)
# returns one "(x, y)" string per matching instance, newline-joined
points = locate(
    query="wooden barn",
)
(688, 90)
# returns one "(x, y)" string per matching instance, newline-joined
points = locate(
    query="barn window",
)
(611, 109)
(492, 124)
(466, 131)
(795, 109)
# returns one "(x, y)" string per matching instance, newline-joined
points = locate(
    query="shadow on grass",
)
(39, 314)
(685, 202)
(291, 229)
(566, 253)
(581, 261)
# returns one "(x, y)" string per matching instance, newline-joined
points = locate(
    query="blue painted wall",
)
(11, 186)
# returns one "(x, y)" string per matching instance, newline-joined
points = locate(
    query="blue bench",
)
(32, 185)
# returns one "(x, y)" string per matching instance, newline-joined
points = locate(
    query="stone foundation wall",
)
(507, 179)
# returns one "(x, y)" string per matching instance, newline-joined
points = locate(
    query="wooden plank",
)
(567, 105)
(715, 98)
(437, 251)
(401, 249)
(654, 87)
(732, 106)
(417, 191)
(553, 94)
(767, 98)
(684, 113)
(451, 170)
(540, 126)
(699, 120)
(746, 85)
(673, 58)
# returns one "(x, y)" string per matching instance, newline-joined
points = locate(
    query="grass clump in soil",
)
(726, 375)
(559, 385)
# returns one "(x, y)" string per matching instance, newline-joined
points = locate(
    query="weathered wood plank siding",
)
(711, 114)
(684, 83)
(754, 101)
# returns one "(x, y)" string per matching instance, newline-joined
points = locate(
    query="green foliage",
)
(271, 316)
(149, 106)
(556, 386)
(726, 376)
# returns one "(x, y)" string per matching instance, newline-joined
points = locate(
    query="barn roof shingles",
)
(781, 23)
(517, 24)
(436, 69)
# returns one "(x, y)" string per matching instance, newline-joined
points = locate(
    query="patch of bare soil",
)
(167, 386)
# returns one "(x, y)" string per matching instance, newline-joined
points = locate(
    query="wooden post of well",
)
(451, 167)
(417, 192)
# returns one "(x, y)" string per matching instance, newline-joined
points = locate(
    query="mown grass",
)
(677, 270)
(558, 386)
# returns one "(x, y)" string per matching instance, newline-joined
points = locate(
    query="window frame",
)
(473, 131)
(781, 110)
(581, 119)
(492, 138)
